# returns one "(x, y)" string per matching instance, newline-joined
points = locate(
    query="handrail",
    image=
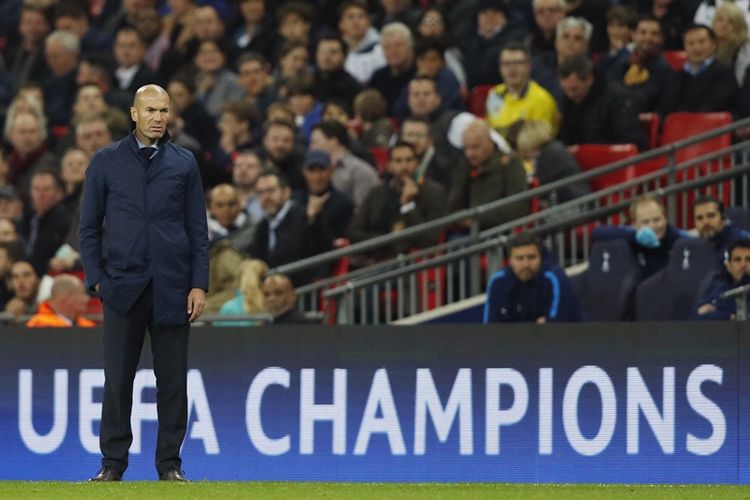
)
(475, 212)
(549, 227)
(404, 259)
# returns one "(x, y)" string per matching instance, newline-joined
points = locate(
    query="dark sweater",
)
(713, 89)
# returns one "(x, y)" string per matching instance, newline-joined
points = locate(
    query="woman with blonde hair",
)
(249, 298)
(732, 44)
(552, 161)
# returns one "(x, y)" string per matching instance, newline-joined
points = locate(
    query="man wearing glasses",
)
(519, 97)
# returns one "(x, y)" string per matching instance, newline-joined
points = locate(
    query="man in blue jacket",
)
(150, 268)
(531, 289)
(736, 273)
(651, 236)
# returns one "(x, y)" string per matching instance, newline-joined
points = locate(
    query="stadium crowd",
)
(314, 121)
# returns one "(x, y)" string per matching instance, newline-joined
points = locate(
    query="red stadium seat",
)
(675, 58)
(678, 126)
(478, 100)
(380, 155)
(593, 156)
(650, 123)
(60, 131)
(338, 268)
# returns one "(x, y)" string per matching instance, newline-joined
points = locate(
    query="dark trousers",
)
(123, 342)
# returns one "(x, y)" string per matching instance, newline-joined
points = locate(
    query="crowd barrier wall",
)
(590, 403)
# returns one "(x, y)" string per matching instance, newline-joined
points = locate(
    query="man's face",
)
(432, 24)
(617, 31)
(707, 218)
(394, 6)
(515, 68)
(148, 23)
(547, 13)
(699, 46)
(402, 163)
(5, 263)
(576, 88)
(423, 97)
(571, 42)
(86, 74)
(180, 96)
(317, 178)
(478, 146)
(278, 142)
(231, 126)
(44, 193)
(89, 100)
(150, 112)
(398, 53)
(75, 301)
(207, 24)
(650, 214)
(738, 264)
(7, 230)
(354, 23)
(295, 62)
(129, 49)
(224, 205)
(525, 262)
(92, 136)
(33, 26)
(24, 281)
(318, 140)
(245, 171)
(329, 56)
(209, 57)
(74, 165)
(77, 26)
(430, 63)
(417, 134)
(490, 20)
(278, 295)
(252, 11)
(253, 77)
(272, 195)
(648, 36)
(59, 59)
(294, 27)
(25, 136)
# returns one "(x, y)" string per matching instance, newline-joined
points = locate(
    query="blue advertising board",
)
(595, 403)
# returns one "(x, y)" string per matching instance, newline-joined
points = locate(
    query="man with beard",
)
(285, 235)
(645, 72)
(735, 273)
(530, 290)
(280, 150)
(712, 224)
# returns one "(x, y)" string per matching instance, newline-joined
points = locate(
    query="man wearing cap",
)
(495, 27)
(325, 205)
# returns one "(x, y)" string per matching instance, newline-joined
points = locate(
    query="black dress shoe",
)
(107, 474)
(174, 474)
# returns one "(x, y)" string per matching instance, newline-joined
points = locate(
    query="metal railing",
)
(360, 300)
(739, 295)
(461, 276)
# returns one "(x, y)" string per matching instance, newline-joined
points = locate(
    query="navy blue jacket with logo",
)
(155, 217)
(548, 294)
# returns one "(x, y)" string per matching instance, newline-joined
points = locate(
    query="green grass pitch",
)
(359, 491)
